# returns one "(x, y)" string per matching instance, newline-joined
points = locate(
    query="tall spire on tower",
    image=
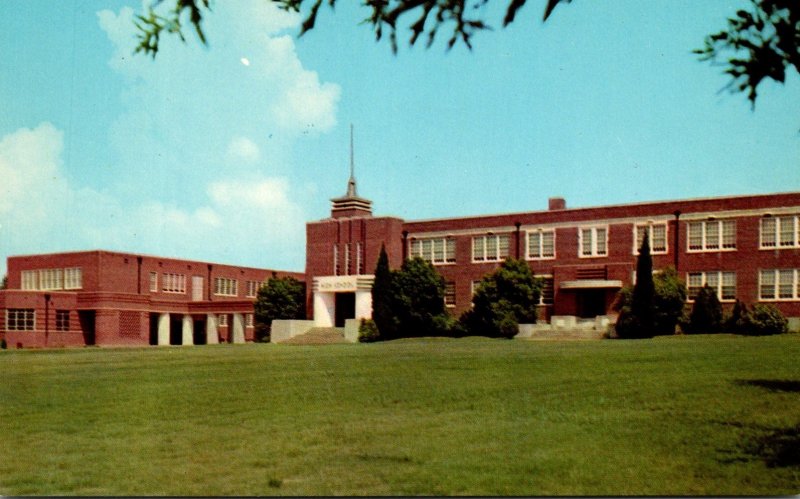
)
(351, 184)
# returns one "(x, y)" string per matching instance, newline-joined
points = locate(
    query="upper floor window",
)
(226, 287)
(541, 244)
(779, 284)
(780, 232)
(657, 236)
(435, 250)
(252, 288)
(336, 268)
(30, 280)
(592, 241)
(347, 259)
(20, 319)
(490, 248)
(711, 235)
(359, 258)
(153, 282)
(722, 282)
(73, 278)
(51, 279)
(173, 283)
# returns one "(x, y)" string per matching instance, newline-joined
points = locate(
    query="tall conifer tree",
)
(642, 302)
(382, 293)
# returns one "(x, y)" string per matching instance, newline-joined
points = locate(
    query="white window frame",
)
(717, 278)
(19, 319)
(347, 259)
(547, 277)
(173, 283)
(779, 221)
(452, 286)
(30, 280)
(776, 285)
(593, 229)
(541, 233)
(481, 250)
(252, 288)
(225, 286)
(427, 248)
(51, 279)
(73, 278)
(707, 241)
(336, 267)
(248, 320)
(637, 243)
(62, 322)
(222, 320)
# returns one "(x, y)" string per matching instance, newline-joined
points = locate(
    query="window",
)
(252, 288)
(780, 284)
(20, 319)
(359, 259)
(62, 320)
(593, 241)
(153, 282)
(450, 294)
(336, 260)
(30, 280)
(226, 287)
(173, 283)
(657, 235)
(223, 319)
(490, 248)
(51, 279)
(548, 291)
(73, 278)
(248, 320)
(438, 251)
(712, 235)
(780, 232)
(541, 244)
(723, 283)
(347, 259)
(474, 287)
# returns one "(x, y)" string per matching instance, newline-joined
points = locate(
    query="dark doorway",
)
(200, 331)
(154, 329)
(591, 303)
(86, 319)
(345, 308)
(175, 329)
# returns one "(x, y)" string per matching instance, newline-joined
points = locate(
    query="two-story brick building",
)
(745, 247)
(115, 299)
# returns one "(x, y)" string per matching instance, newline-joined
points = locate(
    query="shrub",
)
(3, 344)
(368, 331)
(706, 315)
(767, 319)
(738, 322)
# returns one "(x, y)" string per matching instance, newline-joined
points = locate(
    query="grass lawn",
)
(695, 415)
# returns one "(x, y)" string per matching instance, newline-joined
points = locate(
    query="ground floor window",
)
(20, 319)
(62, 320)
(724, 283)
(450, 294)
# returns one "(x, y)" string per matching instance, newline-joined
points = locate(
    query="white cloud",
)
(244, 150)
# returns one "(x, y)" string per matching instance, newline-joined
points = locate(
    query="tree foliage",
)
(382, 293)
(418, 298)
(706, 315)
(279, 298)
(504, 299)
(637, 314)
(669, 300)
(4, 282)
(760, 43)
(765, 319)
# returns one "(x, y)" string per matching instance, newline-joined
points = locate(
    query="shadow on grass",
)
(773, 385)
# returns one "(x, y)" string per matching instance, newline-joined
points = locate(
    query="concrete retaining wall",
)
(283, 330)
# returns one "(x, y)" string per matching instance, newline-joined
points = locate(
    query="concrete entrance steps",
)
(318, 336)
(566, 334)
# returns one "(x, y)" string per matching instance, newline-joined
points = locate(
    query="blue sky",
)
(201, 154)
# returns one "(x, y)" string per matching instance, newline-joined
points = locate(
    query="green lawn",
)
(715, 415)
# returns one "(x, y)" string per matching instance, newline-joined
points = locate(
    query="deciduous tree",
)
(279, 298)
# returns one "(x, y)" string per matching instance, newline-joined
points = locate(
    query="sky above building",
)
(222, 152)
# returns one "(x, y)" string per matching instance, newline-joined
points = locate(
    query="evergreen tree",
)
(638, 320)
(279, 298)
(706, 315)
(382, 295)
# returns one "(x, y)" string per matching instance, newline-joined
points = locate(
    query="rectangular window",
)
(769, 227)
(438, 251)
(722, 282)
(223, 319)
(359, 259)
(50, 279)
(252, 288)
(73, 278)
(657, 235)
(780, 284)
(30, 280)
(153, 282)
(62, 320)
(490, 248)
(712, 235)
(173, 283)
(226, 287)
(541, 244)
(548, 291)
(593, 241)
(336, 269)
(248, 320)
(786, 232)
(450, 294)
(474, 285)
(347, 259)
(20, 319)
(780, 232)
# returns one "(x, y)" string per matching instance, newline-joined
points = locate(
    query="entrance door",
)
(345, 308)
(591, 303)
(197, 288)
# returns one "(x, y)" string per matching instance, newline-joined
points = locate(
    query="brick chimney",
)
(556, 204)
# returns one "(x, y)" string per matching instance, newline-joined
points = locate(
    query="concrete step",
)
(566, 334)
(319, 336)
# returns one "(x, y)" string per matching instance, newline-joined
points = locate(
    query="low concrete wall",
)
(794, 324)
(351, 330)
(283, 330)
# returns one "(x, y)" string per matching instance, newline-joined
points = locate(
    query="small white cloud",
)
(243, 149)
(245, 61)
